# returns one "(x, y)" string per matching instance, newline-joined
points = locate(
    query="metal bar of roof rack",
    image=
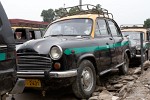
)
(93, 10)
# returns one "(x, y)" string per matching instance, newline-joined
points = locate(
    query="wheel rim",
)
(125, 64)
(87, 79)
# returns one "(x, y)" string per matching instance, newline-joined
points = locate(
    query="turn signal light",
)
(57, 66)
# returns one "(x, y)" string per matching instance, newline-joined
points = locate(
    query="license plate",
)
(32, 83)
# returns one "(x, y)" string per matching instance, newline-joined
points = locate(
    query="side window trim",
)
(1, 23)
(116, 27)
(101, 35)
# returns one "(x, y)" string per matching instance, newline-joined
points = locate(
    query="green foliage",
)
(73, 10)
(60, 12)
(48, 15)
(147, 23)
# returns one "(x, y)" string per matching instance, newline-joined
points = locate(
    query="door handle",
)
(111, 38)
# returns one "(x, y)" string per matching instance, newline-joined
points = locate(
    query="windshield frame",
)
(70, 19)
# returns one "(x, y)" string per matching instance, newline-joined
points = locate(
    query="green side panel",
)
(2, 56)
(94, 48)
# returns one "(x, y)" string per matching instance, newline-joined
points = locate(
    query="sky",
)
(124, 11)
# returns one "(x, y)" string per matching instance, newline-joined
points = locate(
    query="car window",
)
(101, 28)
(38, 34)
(113, 28)
(70, 27)
(20, 34)
(133, 35)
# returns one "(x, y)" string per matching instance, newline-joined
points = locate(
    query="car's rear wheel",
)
(85, 82)
(124, 68)
(146, 56)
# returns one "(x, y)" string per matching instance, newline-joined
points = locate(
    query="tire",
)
(146, 57)
(124, 68)
(84, 85)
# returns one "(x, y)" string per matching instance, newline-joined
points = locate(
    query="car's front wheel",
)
(85, 82)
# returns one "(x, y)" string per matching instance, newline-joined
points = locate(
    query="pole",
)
(142, 58)
(80, 3)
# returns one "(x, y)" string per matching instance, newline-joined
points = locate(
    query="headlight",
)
(55, 52)
(138, 48)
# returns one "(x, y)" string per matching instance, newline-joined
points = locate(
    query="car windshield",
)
(132, 35)
(70, 27)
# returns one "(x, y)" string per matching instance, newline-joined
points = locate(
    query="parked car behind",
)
(23, 34)
(8, 77)
(74, 50)
(133, 33)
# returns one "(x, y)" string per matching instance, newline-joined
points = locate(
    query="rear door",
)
(118, 39)
(105, 42)
(7, 54)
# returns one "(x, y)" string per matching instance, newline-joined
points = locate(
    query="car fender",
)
(90, 57)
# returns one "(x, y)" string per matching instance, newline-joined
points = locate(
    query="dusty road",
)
(61, 94)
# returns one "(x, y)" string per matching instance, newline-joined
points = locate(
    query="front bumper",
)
(51, 74)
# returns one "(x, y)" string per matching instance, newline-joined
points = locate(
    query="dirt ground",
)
(141, 88)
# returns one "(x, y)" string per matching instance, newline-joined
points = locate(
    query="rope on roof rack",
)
(86, 9)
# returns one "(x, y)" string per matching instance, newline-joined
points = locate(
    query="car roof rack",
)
(125, 26)
(83, 9)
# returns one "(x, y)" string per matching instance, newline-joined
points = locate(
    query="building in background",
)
(27, 23)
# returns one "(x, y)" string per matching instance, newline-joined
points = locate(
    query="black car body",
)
(74, 50)
(133, 32)
(8, 77)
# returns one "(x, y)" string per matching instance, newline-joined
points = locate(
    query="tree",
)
(73, 10)
(147, 23)
(61, 12)
(48, 15)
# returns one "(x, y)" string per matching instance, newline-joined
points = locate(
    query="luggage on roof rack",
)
(86, 9)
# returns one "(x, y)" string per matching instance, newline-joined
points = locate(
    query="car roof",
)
(26, 28)
(91, 16)
(135, 30)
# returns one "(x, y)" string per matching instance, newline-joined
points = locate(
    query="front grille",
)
(33, 61)
(138, 52)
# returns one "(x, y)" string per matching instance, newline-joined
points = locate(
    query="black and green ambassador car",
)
(74, 51)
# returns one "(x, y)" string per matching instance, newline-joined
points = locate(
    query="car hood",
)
(42, 46)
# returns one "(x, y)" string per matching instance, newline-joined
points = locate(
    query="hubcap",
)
(87, 79)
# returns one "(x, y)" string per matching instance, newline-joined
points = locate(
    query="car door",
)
(105, 42)
(7, 54)
(118, 41)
